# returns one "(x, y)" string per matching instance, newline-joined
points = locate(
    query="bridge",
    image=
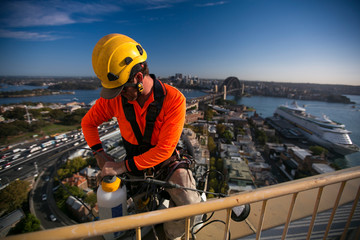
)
(233, 86)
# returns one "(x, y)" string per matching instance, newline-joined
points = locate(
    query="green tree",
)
(208, 114)
(63, 173)
(317, 150)
(62, 194)
(69, 119)
(36, 113)
(211, 144)
(224, 188)
(261, 136)
(212, 161)
(91, 199)
(209, 195)
(16, 113)
(213, 183)
(228, 136)
(220, 129)
(75, 164)
(213, 173)
(37, 125)
(74, 117)
(220, 164)
(7, 129)
(241, 131)
(198, 129)
(14, 195)
(57, 114)
(76, 192)
(28, 224)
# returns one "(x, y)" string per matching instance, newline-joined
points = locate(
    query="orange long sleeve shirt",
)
(166, 133)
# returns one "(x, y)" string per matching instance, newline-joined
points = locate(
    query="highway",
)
(42, 164)
(20, 161)
(29, 164)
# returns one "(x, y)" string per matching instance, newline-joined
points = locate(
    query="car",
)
(47, 178)
(44, 197)
(19, 168)
(52, 217)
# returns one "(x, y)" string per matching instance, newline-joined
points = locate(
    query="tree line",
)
(16, 120)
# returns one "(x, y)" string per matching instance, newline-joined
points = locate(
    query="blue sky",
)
(315, 41)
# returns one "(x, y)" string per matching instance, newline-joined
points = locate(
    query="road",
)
(44, 208)
(22, 164)
(42, 164)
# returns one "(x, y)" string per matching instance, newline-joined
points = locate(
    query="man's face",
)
(130, 93)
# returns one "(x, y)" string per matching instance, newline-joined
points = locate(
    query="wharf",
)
(285, 128)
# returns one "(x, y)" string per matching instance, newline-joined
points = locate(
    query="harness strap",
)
(151, 115)
(178, 160)
(183, 163)
(153, 110)
(131, 117)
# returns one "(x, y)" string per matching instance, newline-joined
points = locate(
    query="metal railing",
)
(326, 191)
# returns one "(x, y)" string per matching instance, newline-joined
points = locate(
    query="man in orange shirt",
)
(150, 116)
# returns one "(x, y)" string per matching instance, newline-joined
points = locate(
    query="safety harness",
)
(177, 160)
(144, 142)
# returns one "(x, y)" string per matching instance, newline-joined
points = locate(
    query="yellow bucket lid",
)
(110, 183)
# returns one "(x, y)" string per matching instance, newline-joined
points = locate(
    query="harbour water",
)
(85, 96)
(348, 114)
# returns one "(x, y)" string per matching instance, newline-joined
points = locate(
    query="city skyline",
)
(283, 41)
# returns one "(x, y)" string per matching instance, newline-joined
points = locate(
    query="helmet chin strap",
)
(139, 86)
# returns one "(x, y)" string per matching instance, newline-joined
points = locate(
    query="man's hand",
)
(113, 168)
(102, 158)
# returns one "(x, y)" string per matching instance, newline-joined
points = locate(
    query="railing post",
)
(262, 215)
(357, 236)
(315, 212)
(342, 186)
(289, 216)
(138, 233)
(351, 215)
(227, 224)
(187, 228)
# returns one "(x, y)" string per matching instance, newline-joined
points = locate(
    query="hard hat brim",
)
(110, 93)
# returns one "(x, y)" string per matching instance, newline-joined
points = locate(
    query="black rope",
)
(216, 220)
(170, 185)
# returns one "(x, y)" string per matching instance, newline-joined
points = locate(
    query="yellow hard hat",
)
(113, 57)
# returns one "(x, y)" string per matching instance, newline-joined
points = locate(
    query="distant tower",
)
(36, 168)
(27, 115)
(224, 92)
(216, 88)
(243, 89)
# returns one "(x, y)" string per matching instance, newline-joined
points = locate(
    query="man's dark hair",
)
(140, 67)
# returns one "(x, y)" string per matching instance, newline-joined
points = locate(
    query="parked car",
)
(44, 197)
(52, 217)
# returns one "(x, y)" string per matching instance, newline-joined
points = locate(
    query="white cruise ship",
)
(320, 130)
